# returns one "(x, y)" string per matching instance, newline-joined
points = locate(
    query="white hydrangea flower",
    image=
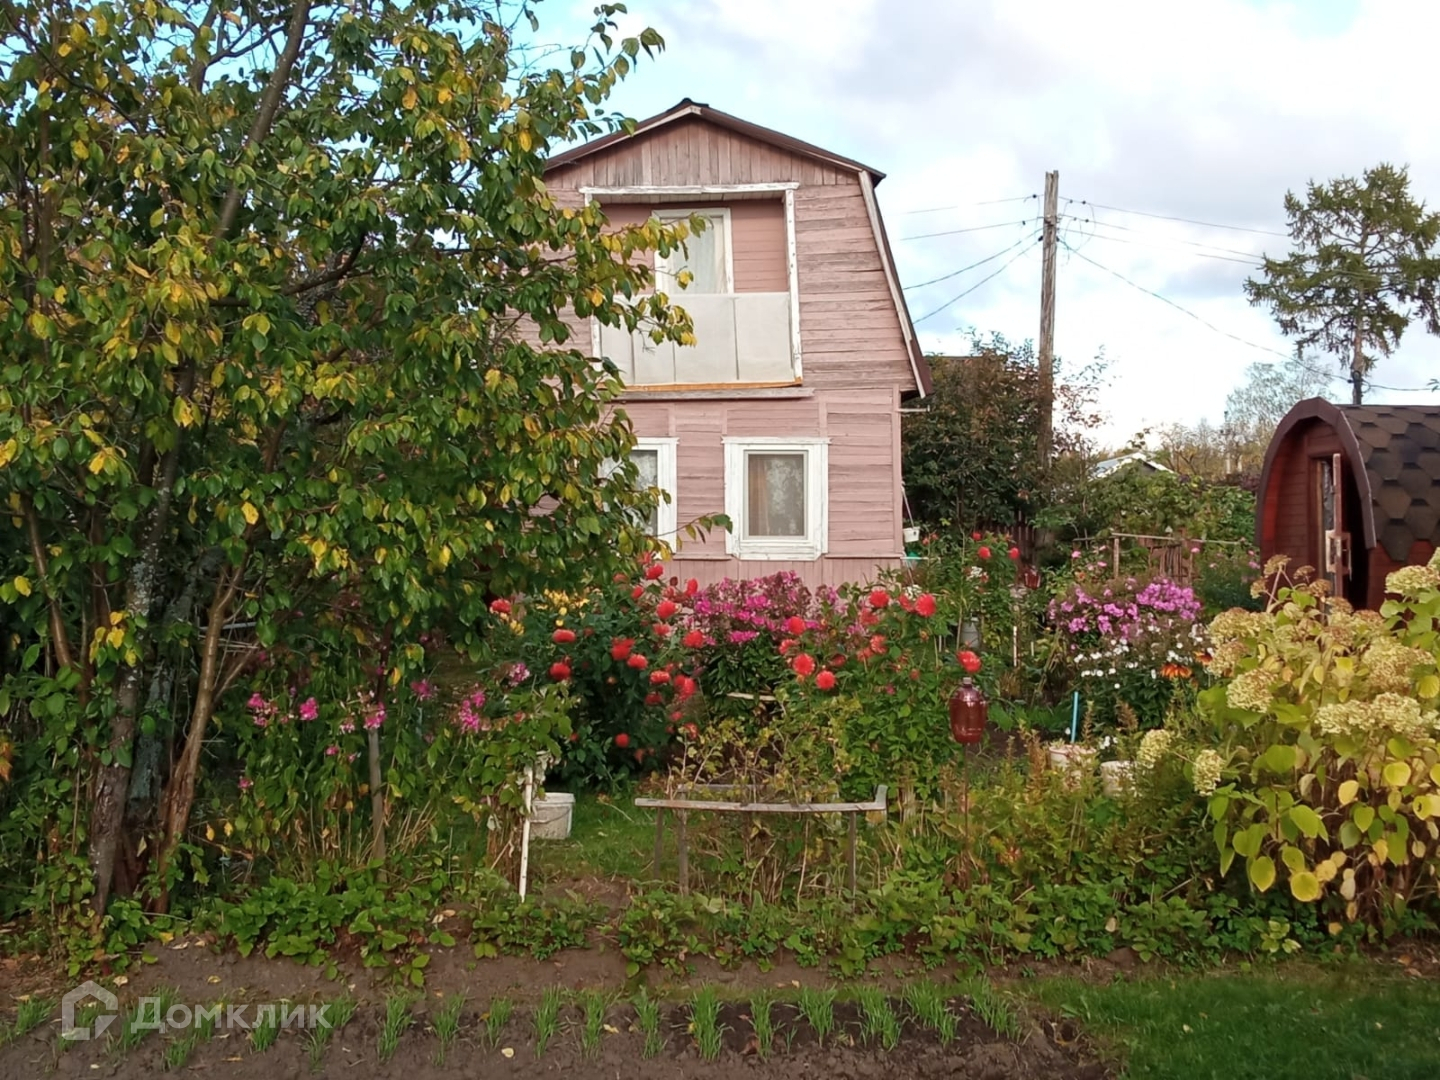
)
(1208, 767)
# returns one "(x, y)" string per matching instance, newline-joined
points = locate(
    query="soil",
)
(796, 1052)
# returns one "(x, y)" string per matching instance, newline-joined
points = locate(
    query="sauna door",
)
(1334, 538)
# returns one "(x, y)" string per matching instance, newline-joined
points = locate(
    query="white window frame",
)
(672, 214)
(667, 480)
(817, 498)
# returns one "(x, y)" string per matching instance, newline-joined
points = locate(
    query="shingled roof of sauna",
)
(1398, 447)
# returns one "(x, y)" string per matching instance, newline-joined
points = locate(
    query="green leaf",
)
(1306, 820)
(1279, 758)
(1363, 816)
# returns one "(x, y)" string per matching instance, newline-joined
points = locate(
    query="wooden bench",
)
(683, 807)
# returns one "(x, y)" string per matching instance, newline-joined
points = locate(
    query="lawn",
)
(1350, 1022)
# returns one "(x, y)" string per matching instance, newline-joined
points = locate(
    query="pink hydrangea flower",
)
(309, 709)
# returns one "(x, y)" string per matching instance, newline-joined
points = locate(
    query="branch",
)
(269, 105)
(58, 635)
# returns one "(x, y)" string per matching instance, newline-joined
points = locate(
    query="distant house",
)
(1354, 491)
(1120, 461)
(785, 414)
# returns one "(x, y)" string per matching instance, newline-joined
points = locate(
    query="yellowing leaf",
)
(1304, 887)
(98, 462)
(318, 548)
(22, 586)
(1325, 870)
(1348, 790)
(209, 832)
(1262, 872)
(251, 514)
(8, 449)
(525, 141)
(410, 99)
(1428, 686)
(1397, 774)
(115, 638)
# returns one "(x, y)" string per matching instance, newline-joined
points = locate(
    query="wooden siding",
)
(692, 151)
(850, 332)
(864, 524)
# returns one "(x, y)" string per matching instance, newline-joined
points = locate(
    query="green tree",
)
(1362, 269)
(971, 456)
(281, 299)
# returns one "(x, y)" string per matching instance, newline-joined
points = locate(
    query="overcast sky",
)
(1207, 110)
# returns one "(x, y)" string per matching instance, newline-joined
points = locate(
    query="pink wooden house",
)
(785, 414)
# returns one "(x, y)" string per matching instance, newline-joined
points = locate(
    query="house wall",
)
(864, 521)
(850, 332)
(855, 362)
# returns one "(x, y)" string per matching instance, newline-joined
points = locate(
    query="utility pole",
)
(1047, 320)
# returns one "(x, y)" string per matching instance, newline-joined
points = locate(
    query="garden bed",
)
(852, 1048)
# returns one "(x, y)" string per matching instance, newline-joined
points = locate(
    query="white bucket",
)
(911, 534)
(1117, 777)
(550, 815)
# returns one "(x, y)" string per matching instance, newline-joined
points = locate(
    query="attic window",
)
(706, 255)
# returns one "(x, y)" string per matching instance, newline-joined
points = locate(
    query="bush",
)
(1325, 771)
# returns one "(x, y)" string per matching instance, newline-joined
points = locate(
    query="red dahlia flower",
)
(654, 571)
(559, 671)
(984, 552)
(500, 607)
(622, 740)
(925, 606)
(563, 636)
(658, 677)
(879, 598)
(693, 640)
(825, 680)
(803, 665)
(795, 625)
(620, 648)
(665, 609)
(638, 662)
(969, 661)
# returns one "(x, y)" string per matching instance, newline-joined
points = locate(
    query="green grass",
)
(647, 1015)
(609, 839)
(265, 1032)
(882, 1027)
(927, 1001)
(762, 1022)
(496, 1018)
(338, 1013)
(447, 1025)
(31, 1012)
(818, 1007)
(593, 1004)
(705, 1022)
(398, 1017)
(547, 1018)
(991, 1006)
(1305, 1023)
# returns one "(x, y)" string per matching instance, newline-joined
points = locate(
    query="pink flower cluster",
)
(1126, 612)
(470, 715)
(740, 611)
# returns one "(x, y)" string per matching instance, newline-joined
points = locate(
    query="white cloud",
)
(1207, 111)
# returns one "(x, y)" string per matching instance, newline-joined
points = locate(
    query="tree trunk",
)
(180, 793)
(112, 785)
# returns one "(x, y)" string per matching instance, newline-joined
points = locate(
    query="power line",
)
(1187, 221)
(1250, 256)
(1234, 337)
(972, 266)
(973, 228)
(966, 206)
(1161, 244)
(982, 281)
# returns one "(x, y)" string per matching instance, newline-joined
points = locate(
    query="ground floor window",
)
(775, 497)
